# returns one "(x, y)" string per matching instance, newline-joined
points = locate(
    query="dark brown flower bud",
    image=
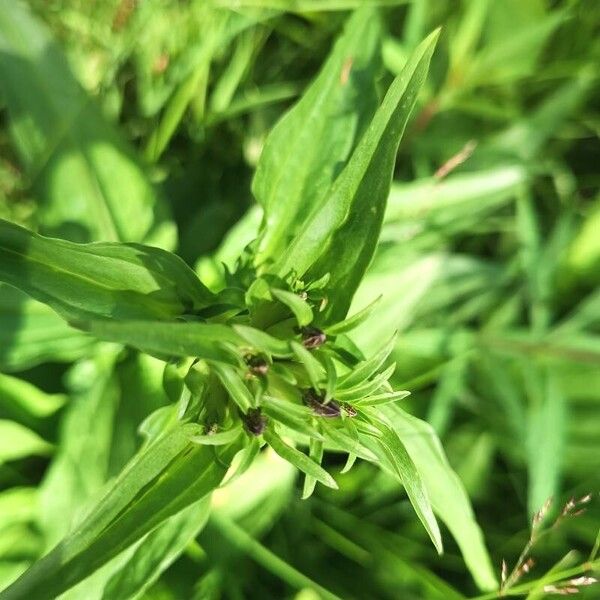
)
(257, 365)
(321, 408)
(312, 337)
(255, 422)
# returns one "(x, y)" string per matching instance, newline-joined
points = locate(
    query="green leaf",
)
(363, 370)
(302, 311)
(299, 459)
(311, 364)
(446, 492)
(168, 339)
(100, 280)
(82, 168)
(546, 435)
(165, 478)
(81, 464)
(340, 235)
(32, 333)
(23, 402)
(263, 342)
(303, 153)
(353, 321)
(315, 452)
(383, 398)
(17, 441)
(157, 551)
(234, 385)
(345, 440)
(402, 466)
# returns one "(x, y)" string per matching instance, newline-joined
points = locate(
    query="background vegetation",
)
(489, 265)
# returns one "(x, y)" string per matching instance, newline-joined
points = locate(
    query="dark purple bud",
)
(321, 408)
(255, 422)
(312, 337)
(257, 365)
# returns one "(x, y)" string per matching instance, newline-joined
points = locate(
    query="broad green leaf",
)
(32, 333)
(446, 492)
(17, 441)
(86, 176)
(299, 459)
(303, 153)
(168, 339)
(401, 464)
(340, 235)
(302, 311)
(99, 280)
(165, 478)
(157, 551)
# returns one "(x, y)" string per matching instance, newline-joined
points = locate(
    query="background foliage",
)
(144, 121)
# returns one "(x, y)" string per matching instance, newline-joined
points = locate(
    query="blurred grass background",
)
(489, 261)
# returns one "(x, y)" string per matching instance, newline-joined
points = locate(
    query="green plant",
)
(265, 359)
(484, 264)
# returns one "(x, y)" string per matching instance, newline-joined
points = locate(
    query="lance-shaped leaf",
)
(162, 480)
(448, 496)
(202, 340)
(340, 235)
(86, 176)
(299, 460)
(392, 451)
(304, 152)
(100, 280)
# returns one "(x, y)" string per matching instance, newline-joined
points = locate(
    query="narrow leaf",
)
(299, 460)
(234, 385)
(302, 311)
